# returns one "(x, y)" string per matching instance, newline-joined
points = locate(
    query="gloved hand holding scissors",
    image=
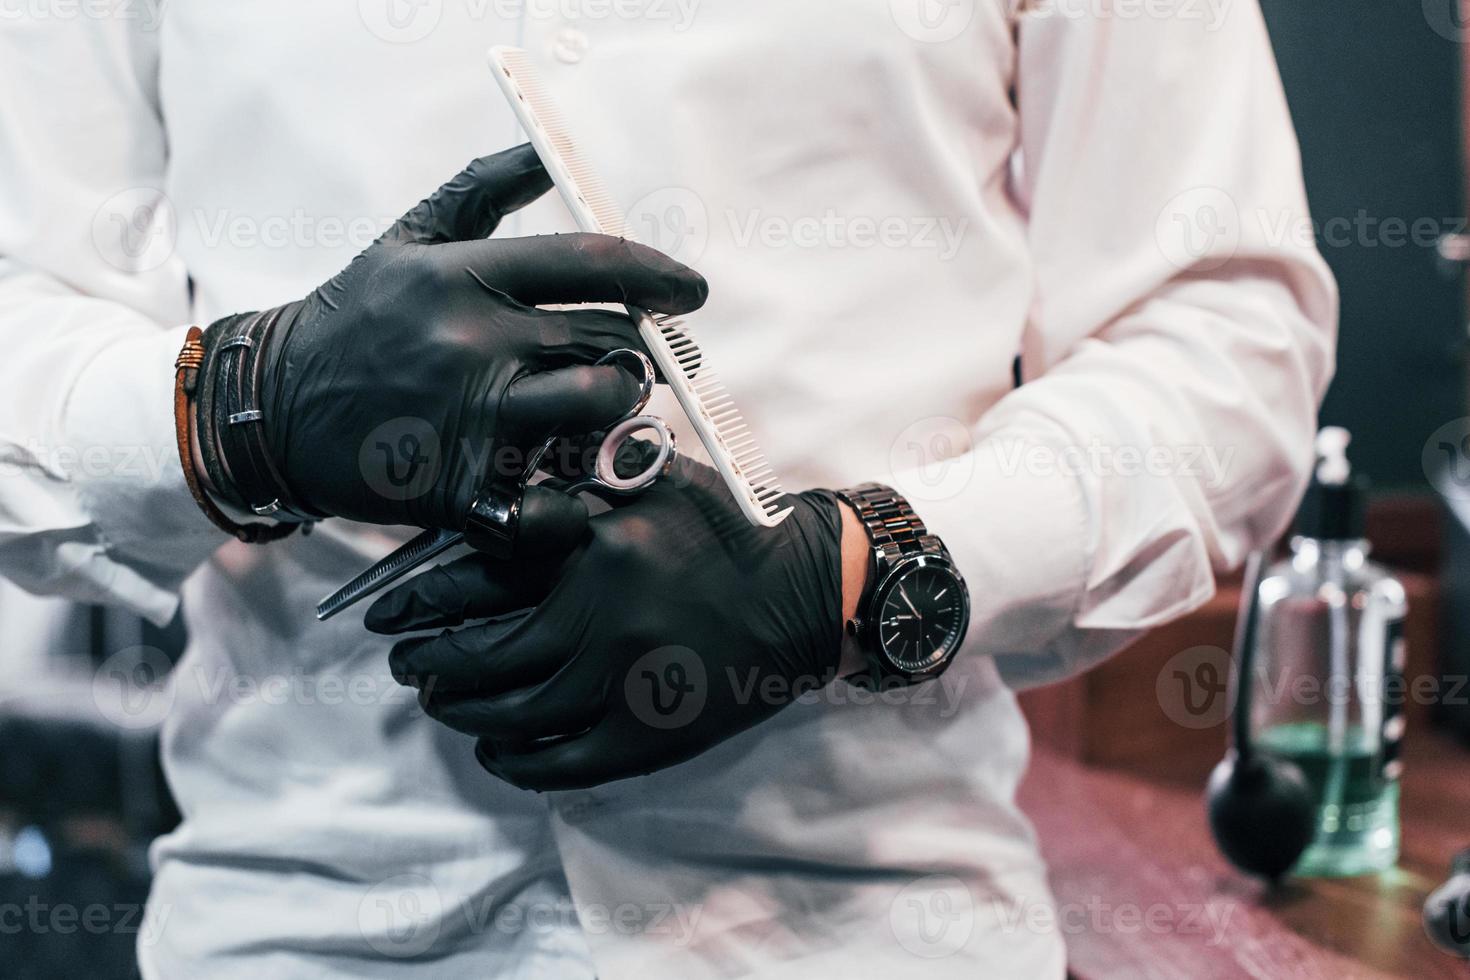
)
(388, 393)
(675, 625)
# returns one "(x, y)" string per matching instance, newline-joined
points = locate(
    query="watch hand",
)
(908, 601)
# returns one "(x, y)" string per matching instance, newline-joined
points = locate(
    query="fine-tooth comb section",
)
(685, 350)
(719, 408)
(587, 186)
(705, 400)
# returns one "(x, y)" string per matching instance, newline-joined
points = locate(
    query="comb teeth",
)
(709, 406)
(578, 179)
(718, 408)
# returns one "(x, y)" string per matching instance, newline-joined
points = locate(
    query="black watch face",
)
(922, 614)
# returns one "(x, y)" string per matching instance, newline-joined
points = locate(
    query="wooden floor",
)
(1120, 845)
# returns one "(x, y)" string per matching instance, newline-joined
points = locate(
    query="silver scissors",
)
(495, 512)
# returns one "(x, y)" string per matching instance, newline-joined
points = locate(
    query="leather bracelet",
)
(290, 503)
(209, 452)
(223, 366)
(229, 365)
(242, 428)
(186, 378)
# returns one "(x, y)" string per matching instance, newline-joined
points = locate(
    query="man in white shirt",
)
(1115, 184)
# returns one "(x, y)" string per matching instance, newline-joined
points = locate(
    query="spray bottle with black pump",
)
(1319, 714)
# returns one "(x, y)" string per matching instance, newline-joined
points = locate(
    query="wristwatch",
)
(915, 607)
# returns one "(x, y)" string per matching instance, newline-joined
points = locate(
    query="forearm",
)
(1172, 378)
(94, 500)
(1104, 495)
(92, 298)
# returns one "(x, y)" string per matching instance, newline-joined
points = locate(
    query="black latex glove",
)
(674, 626)
(427, 351)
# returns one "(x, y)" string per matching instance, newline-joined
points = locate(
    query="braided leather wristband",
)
(239, 422)
(186, 379)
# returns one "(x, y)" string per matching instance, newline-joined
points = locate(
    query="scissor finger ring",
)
(605, 474)
(646, 374)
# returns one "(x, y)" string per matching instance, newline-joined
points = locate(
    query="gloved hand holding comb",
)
(388, 393)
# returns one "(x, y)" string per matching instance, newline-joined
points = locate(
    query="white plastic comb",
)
(711, 410)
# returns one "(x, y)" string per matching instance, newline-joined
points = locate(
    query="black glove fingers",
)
(516, 717)
(544, 270)
(471, 204)
(581, 398)
(488, 658)
(565, 337)
(568, 764)
(473, 587)
(553, 524)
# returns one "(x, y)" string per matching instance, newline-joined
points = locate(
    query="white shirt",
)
(891, 199)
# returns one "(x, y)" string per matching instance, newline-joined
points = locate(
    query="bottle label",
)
(1396, 651)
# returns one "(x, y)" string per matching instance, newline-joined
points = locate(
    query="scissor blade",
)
(422, 548)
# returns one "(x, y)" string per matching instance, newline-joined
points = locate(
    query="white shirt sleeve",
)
(1181, 337)
(93, 504)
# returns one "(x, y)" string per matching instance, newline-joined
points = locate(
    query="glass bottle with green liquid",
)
(1329, 688)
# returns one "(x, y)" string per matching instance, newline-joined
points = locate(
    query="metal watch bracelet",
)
(898, 539)
(893, 527)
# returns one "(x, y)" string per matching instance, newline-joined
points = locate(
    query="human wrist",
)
(207, 401)
(233, 417)
(206, 406)
(234, 512)
(914, 609)
(856, 567)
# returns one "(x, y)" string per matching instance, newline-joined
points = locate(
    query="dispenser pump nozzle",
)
(1333, 507)
(1333, 468)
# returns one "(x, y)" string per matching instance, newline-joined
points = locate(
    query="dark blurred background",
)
(1375, 93)
(82, 792)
